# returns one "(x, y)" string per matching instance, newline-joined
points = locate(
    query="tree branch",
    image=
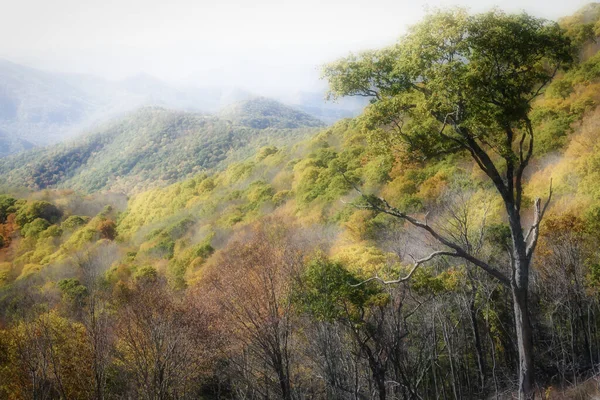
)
(381, 205)
(416, 265)
(535, 227)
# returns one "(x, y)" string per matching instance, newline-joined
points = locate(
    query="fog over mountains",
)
(39, 108)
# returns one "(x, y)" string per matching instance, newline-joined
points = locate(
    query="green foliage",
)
(38, 209)
(330, 292)
(326, 174)
(263, 113)
(74, 221)
(164, 247)
(178, 229)
(264, 152)
(72, 290)
(6, 207)
(427, 282)
(567, 100)
(189, 259)
(152, 147)
(34, 228)
(499, 234)
(281, 197)
(486, 66)
(52, 231)
(583, 26)
(146, 273)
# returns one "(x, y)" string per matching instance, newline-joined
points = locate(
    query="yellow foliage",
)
(360, 258)
(5, 272)
(433, 187)
(28, 270)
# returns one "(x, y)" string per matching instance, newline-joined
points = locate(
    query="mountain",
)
(261, 113)
(155, 146)
(315, 104)
(10, 144)
(43, 108)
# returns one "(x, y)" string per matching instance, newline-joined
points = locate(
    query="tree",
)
(47, 358)
(331, 293)
(461, 83)
(159, 341)
(92, 300)
(251, 285)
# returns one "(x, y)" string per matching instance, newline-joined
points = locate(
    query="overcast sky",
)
(266, 46)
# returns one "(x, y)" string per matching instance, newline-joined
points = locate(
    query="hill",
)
(154, 147)
(45, 108)
(262, 113)
(10, 144)
(41, 107)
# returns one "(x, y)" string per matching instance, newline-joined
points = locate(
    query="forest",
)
(155, 146)
(441, 245)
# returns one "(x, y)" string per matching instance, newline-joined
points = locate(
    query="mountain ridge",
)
(152, 146)
(45, 108)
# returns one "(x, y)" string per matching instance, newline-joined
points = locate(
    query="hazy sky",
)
(265, 46)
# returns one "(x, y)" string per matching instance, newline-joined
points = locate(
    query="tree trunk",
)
(520, 288)
(481, 366)
(524, 342)
(379, 377)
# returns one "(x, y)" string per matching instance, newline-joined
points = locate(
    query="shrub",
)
(34, 228)
(74, 221)
(38, 209)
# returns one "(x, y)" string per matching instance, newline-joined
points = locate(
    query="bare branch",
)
(381, 205)
(416, 265)
(534, 231)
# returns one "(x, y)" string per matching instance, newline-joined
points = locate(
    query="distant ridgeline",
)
(155, 146)
(10, 144)
(42, 108)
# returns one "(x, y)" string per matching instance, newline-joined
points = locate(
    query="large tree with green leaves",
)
(465, 83)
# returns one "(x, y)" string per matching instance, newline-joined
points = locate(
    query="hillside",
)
(41, 107)
(250, 251)
(11, 145)
(45, 108)
(262, 113)
(154, 147)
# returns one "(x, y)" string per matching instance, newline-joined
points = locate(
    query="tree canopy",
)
(455, 81)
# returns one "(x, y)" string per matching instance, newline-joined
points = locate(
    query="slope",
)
(150, 147)
(46, 108)
(10, 145)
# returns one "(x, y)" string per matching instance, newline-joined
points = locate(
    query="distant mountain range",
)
(38, 108)
(155, 146)
(10, 144)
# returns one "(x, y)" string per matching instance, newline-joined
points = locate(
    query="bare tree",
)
(251, 282)
(159, 342)
(98, 322)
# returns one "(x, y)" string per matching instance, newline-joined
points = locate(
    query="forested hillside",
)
(154, 147)
(43, 108)
(376, 258)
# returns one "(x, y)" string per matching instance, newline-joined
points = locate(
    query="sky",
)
(265, 46)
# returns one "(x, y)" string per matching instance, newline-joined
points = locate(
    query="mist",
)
(267, 47)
